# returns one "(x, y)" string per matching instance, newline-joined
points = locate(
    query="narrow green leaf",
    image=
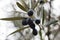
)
(21, 7)
(35, 5)
(38, 11)
(18, 30)
(40, 33)
(28, 4)
(13, 18)
(24, 4)
(43, 17)
(45, 1)
(52, 22)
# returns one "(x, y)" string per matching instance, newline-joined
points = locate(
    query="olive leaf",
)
(40, 33)
(13, 18)
(51, 22)
(24, 4)
(44, 14)
(21, 6)
(45, 0)
(35, 5)
(43, 17)
(18, 30)
(38, 11)
(28, 4)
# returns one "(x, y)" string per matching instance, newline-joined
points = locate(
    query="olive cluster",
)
(30, 22)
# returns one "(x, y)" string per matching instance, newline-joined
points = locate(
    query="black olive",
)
(30, 13)
(34, 32)
(30, 21)
(32, 25)
(37, 21)
(24, 22)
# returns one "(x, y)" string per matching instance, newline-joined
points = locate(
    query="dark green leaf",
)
(13, 18)
(40, 33)
(21, 7)
(43, 17)
(18, 30)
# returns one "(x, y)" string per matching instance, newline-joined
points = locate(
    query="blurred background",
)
(8, 8)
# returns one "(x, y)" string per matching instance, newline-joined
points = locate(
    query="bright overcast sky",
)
(5, 6)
